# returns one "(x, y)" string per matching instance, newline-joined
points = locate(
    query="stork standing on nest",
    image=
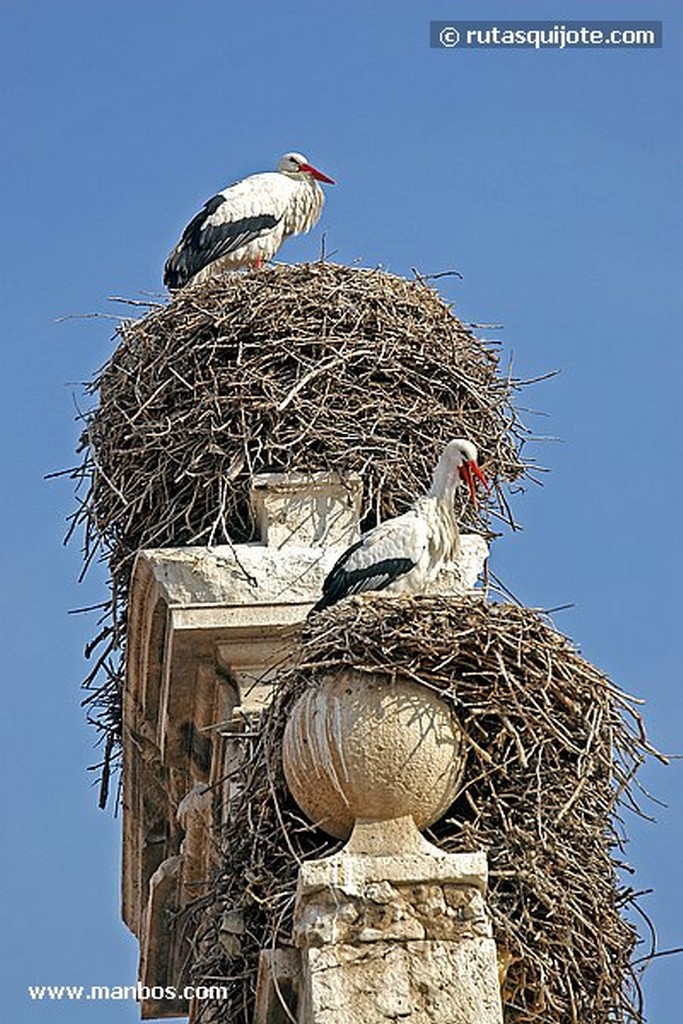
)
(246, 223)
(403, 554)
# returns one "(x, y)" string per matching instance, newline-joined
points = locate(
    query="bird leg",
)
(258, 262)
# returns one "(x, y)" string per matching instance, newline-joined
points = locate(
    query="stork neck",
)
(445, 482)
(305, 205)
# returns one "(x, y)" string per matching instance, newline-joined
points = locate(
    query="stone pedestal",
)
(399, 933)
(391, 928)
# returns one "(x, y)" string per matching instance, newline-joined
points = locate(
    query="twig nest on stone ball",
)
(360, 746)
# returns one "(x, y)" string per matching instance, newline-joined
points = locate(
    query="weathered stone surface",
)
(392, 851)
(277, 986)
(364, 746)
(306, 510)
(383, 911)
(396, 937)
(251, 574)
(195, 816)
(164, 947)
(230, 932)
(424, 982)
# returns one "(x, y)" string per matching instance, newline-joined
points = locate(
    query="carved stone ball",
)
(360, 746)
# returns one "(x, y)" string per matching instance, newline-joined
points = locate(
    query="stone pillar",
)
(391, 928)
(390, 936)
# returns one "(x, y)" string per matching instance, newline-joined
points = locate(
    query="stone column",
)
(391, 928)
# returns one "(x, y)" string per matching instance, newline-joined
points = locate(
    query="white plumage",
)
(246, 223)
(403, 554)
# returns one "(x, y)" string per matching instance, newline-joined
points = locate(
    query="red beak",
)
(468, 471)
(314, 172)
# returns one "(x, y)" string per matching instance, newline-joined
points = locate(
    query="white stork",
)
(404, 553)
(246, 223)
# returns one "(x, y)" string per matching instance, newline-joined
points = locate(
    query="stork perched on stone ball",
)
(246, 223)
(403, 554)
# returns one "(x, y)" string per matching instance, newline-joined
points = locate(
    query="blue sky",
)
(550, 180)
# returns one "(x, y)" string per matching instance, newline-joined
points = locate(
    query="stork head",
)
(459, 463)
(295, 165)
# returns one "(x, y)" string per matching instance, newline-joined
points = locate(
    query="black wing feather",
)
(341, 582)
(202, 243)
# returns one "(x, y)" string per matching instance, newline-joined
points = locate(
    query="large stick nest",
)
(306, 368)
(553, 749)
